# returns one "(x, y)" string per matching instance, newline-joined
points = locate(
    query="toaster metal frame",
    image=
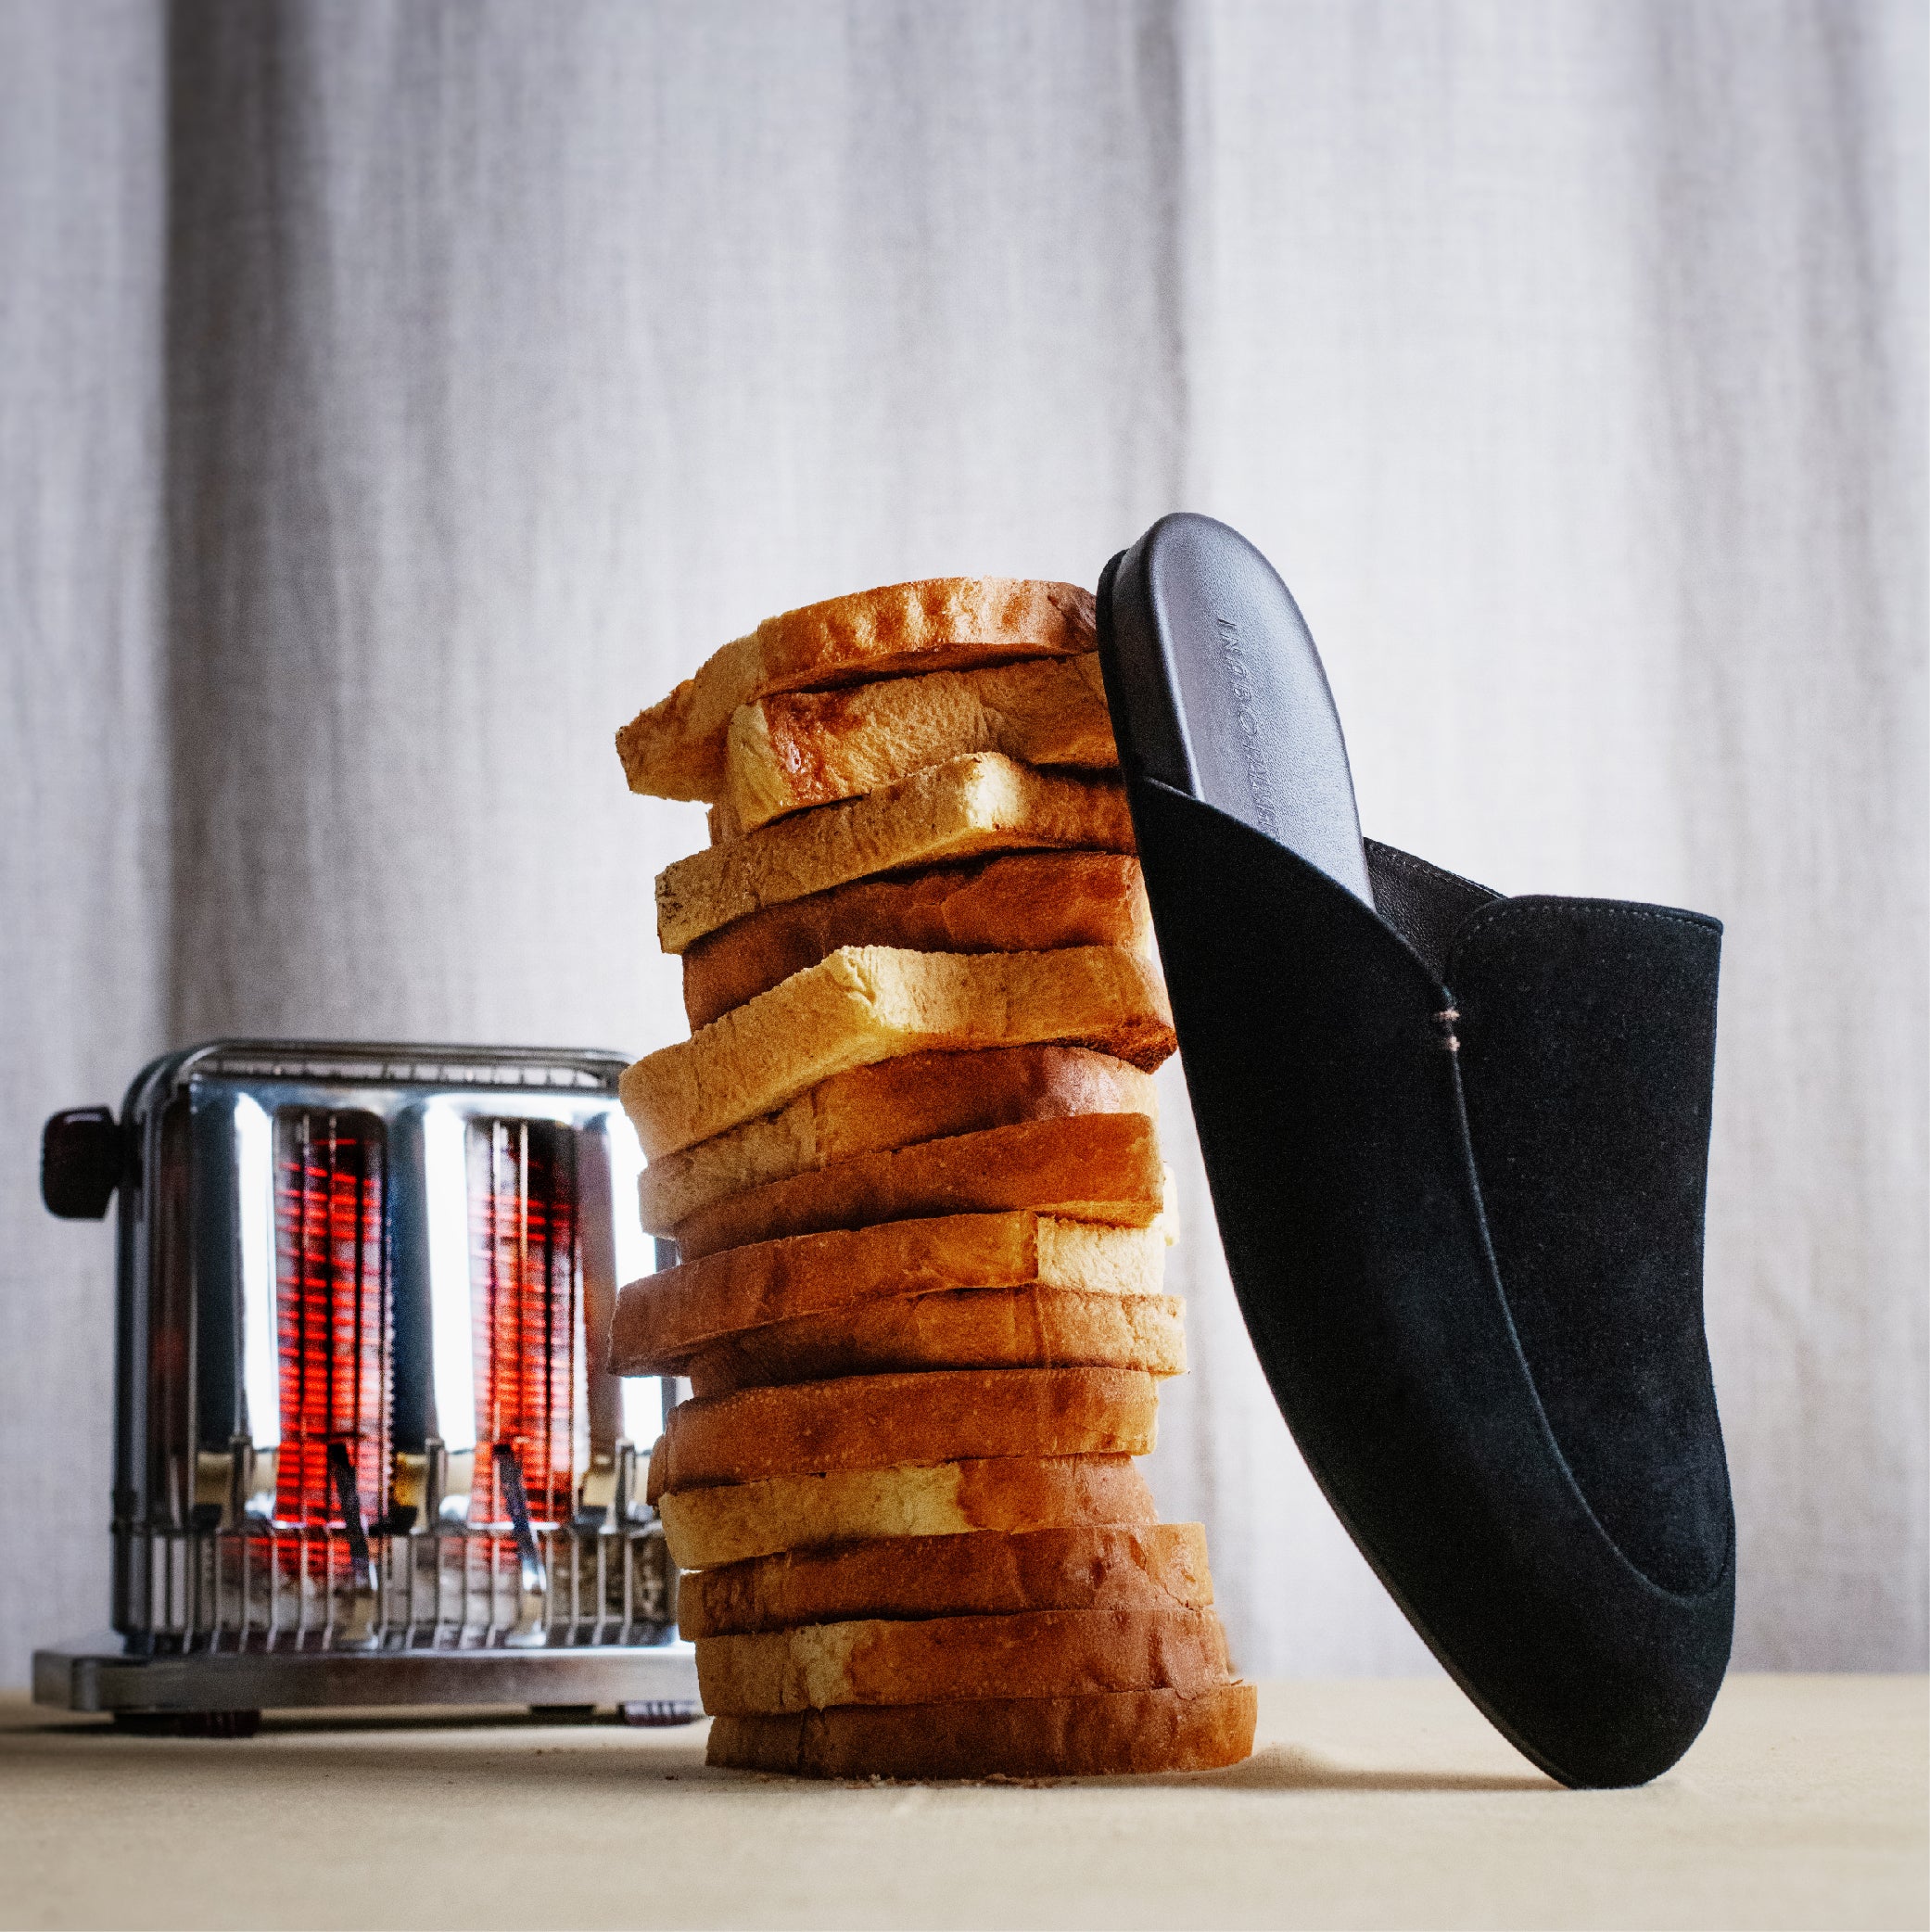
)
(206, 1614)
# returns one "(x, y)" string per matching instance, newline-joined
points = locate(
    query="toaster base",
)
(99, 1676)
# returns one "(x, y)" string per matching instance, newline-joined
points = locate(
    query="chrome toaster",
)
(366, 1449)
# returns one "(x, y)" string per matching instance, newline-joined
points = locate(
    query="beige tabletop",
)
(1380, 1803)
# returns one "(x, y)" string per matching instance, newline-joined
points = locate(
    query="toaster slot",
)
(526, 1281)
(332, 1311)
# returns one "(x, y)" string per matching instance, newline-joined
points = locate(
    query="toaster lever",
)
(529, 1557)
(361, 1622)
(83, 1156)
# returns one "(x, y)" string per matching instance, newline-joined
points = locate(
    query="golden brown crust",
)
(785, 753)
(995, 1328)
(737, 1521)
(1020, 1737)
(1021, 902)
(960, 810)
(665, 1319)
(1027, 1653)
(878, 1421)
(1100, 1167)
(675, 749)
(980, 1573)
(870, 1003)
(892, 1103)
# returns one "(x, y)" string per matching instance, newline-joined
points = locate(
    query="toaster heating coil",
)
(524, 1272)
(331, 1315)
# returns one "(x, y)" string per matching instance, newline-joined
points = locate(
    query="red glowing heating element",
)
(332, 1310)
(525, 1277)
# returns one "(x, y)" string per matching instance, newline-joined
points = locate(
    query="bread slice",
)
(1100, 1167)
(1101, 1735)
(867, 1003)
(934, 1660)
(736, 1521)
(665, 1319)
(875, 1421)
(1021, 903)
(784, 753)
(980, 804)
(889, 1104)
(981, 1573)
(980, 1327)
(676, 749)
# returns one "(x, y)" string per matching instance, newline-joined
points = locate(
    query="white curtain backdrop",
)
(393, 397)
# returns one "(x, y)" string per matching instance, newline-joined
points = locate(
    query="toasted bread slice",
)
(804, 749)
(867, 1003)
(676, 749)
(875, 1421)
(982, 1573)
(1101, 1735)
(935, 1660)
(980, 804)
(1100, 1167)
(1024, 902)
(665, 1319)
(889, 1104)
(735, 1521)
(980, 1327)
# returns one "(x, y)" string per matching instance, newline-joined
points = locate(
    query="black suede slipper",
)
(1458, 1148)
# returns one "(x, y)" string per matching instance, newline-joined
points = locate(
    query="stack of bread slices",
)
(909, 1159)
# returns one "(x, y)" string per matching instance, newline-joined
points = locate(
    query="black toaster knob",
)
(82, 1154)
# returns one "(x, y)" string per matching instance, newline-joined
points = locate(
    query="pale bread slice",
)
(1098, 1167)
(735, 1521)
(984, 803)
(938, 1659)
(867, 1003)
(786, 751)
(1021, 902)
(665, 1319)
(978, 1327)
(676, 749)
(981, 1573)
(876, 1421)
(892, 1103)
(1102, 1735)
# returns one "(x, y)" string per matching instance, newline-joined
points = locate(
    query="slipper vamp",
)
(1329, 1096)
